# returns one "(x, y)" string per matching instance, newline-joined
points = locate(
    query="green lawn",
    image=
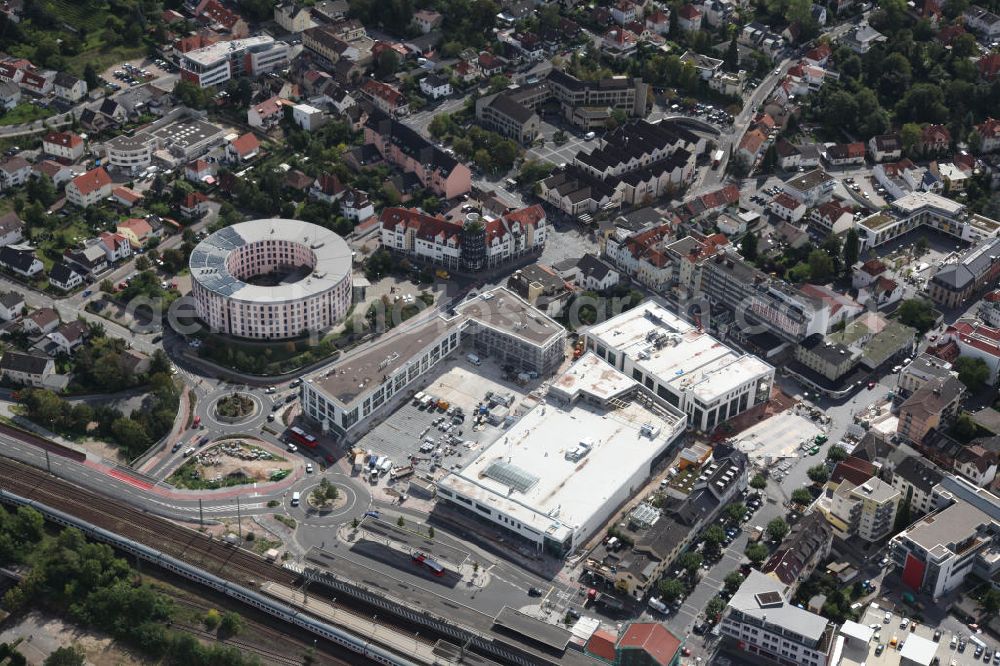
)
(24, 113)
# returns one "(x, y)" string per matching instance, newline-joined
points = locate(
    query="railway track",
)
(199, 549)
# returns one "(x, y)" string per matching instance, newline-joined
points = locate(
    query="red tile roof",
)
(652, 638)
(786, 201)
(602, 645)
(383, 91)
(65, 139)
(126, 194)
(989, 128)
(92, 181)
(989, 65)
(246, 144)
(688, 12)
(873, 267)
(526, 217)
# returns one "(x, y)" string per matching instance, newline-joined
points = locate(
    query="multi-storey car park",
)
(271, 279)
(344, 395)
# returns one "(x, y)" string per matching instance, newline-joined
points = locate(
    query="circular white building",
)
(271, 279)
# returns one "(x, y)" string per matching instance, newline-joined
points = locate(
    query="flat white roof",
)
(918, 650)
(857, 631)
(688, 359)
(593, 376)
(916, 200)
(215, 53)
(560, 492)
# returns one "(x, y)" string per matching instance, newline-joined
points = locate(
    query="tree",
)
(820, 266)
(430, 532)
(733, 580)
(973, 372)
(748, 246)
(734, 512)
(66, 656)
(818, 473)
(777, 529)
(671, 589)
(989, 602)
(387, 64)
(231, 624)
(401, 521)
(142, 263)
(211, 619)
(836, 453)
(714, 535)
(852, 248)
(910, 134)
(714, 608)
(965, 429)
(690, 561)
(903, 518)
(918, 313)
(802, 496)
(759, 481)
(756, 553)
(732, 59)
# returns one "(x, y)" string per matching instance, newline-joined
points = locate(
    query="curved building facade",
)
(271, 279)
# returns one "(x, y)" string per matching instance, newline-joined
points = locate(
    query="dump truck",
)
(359, 462)
(441, 273)
(401, 472)
(602, 599)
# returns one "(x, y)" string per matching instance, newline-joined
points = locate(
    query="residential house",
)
(588, 273)
(932, 406)
(11, 306)
(266, 115)
(787, 207)
(648, 644)
(915, 478)
(789, 156)
(385, 98)
(973, 339)
(327, 188)
(194, 206)
(39, 81)
(308, 117)
(625, 11)
(116, 246)
(707, 67)
(69, 336)
(934, 139)
(243, 148)
(435, 86)
(356, 206)
(752, 146)
(293, 17)
(69, 88)
(58, 173)
(20, 260)
(989, 309)
(14, 171)
(989, 135)
(867, 273)
(89, 188)
(844, 154)
(659, 21)
(11, 229)
(10, 95)
(41, 321)
(65, 145)
(427, 20)
(222, 19)
(26, 369)
(437, 170)
(977, 462)
(64, 277)
(882, 293)
(862, 39)
(832, 218)
(803, 548)
(137, 230)
(125, 196)
(89, 259)
(199, 171)
(811, 188)
(983, 22)
(866, 510)
(689, 18)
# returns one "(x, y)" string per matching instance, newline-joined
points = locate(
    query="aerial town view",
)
(500, 332)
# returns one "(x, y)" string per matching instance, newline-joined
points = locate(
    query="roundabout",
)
(236, 407)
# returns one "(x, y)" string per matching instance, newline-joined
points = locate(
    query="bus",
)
(421, 558)
(302, 437)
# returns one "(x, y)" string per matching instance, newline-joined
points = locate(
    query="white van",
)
(657, 605)
(589, 136)
(473, 359)
(295, 498)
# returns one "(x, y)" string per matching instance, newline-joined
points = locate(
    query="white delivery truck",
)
(473, 359)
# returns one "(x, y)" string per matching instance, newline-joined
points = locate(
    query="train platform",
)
(404, 644)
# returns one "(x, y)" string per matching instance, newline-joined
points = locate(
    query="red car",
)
(686, 652)
(871, 385)
(330, 459)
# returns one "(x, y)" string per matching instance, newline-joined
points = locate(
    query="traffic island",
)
(235, 408)
(326, 497)
(228, 463)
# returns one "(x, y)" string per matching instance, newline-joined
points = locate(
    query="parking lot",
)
(136, 72)
(461, 385)
(564, 153)
(777, 437)
(892, 632)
